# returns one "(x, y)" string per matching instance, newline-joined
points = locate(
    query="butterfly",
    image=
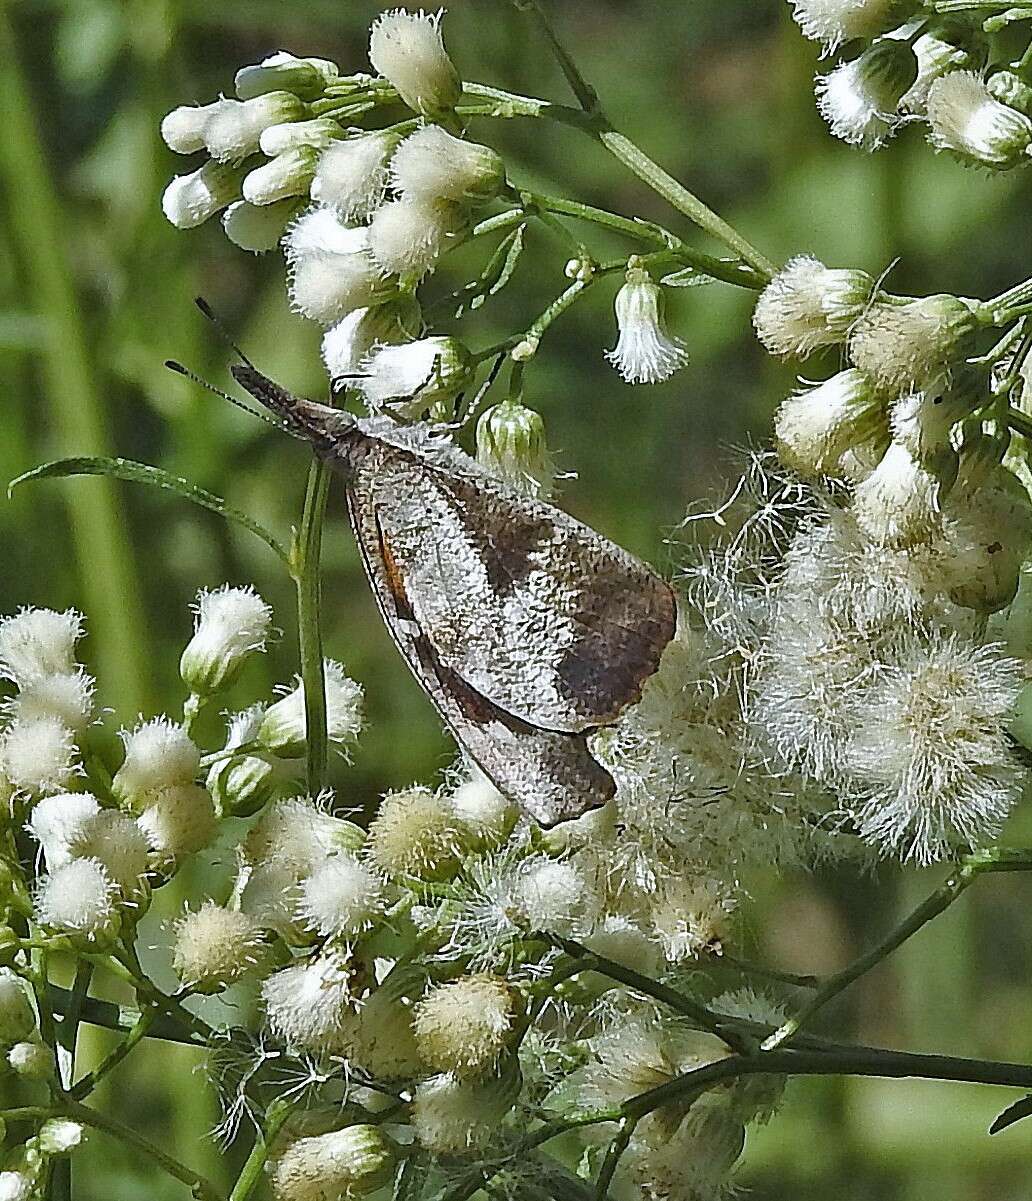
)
(527, 629)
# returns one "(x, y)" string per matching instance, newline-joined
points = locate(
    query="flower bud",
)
(68, 697)
(645, 353)
(511, 444)
(309, 1004)
(116, 842)
(16, 1186)
(332, 272)
(407, 49)
(1010, 89)
(214, 947)
(341, 898)
(288, 174)
(38, 642)
(424, 373)
(158, 754)
(807, 305)
(189, 200)
(414, 833)
(480, 807)
(241, 786)
(346, 344)
(17, 1017)
(60, 1136)
(464, 1026)
(234, 128)
(898, 504)
(31, 1061)
(347, 1163)
(305, 77)
(835, 21)
(556, 895)
(259, 227)
(319, 132)
(38, 755)
(283, 728)
(431, 164)
(815, 428)
(860, 99)
(182, 130)
(230, 624)
(408, 236)
(79, 899)
(965, 119)
(452, 1116)
(913, 346)
(178, 820)
(949, 46)
(351, 176)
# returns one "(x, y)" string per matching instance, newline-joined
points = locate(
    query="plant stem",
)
(252, 1170)
(118, 1017)
(306, 573)
(137, 1033)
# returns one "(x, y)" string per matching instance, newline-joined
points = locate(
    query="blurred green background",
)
(96, 292)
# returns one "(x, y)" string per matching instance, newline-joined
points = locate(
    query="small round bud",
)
(288, 174)
(408, 236)
(31, 1061)
(233, 128)
(917, 345)
(860, 99)
(644, 353)
(344, 1163)
(431, 164)
(283, 729)
(815, 428)
(305, 77)
(242, 785)
(67, 696)
(423, 373)
(178, 820)
(309, 1004)
(259, 227)
(60, 1136)
(38, 755)
(351, 176)
(17, 1017)
(836, 21)
(346, 344)
(79, 899)
(452, 1116)
(965, 119)
(214, 947)
(341, 898)
(182, 130)
(525, 349)
(38, 642)
(488, 814)
(231, 623)
(463, 1027)
(807, 305)
(189, 200)
(57, 821)
(511, 444)
(158, 754)
(415, 833)
(407, 49)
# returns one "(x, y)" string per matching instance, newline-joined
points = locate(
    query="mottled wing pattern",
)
(549, 774)
(533, 610)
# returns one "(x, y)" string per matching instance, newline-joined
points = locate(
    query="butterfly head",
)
(316, 423)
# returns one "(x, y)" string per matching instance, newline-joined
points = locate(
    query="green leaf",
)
(688, 277)
(144, 473)
(1013, 1113)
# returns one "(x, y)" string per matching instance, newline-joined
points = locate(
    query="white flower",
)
(898, 504)
(690, 917)
(318, 132)
(190, 200)
(17, 1017)
(183, 128)
(288, 174)
(179, 820)
(431, 164)
(511, 443)
(346, 344)
(408, 236)
(481, 807)
(965, 118)
(305, 77)
(230, 624)
(257, 227)
(233, 128)
(835, 21)
(57, 821)
(463, 1026)
(331, 269)
(936, 57)
(429, 371)
(78, 898)
(807, 305)
(114, 840)
(815, 428)
(912, 346)
(308, 1004)
(31, 1060)
(16, 1186)
(214, 947)
(283, 728)
(158, 754)
(38, 642)
(346, 1163)
(644, 353)
(300, 833)
(341, 897)
(60, 1136)
(38, 754)
(414, 833)
(67, 696)
(408, 50)
(452, 1116)
(351, 176)
(860, 99)
(556, 896)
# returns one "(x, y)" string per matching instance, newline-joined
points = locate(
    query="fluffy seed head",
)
(860, 99)
(432, 165)
(807, 305)
(342, 1164)
(189, 200)
(38, 642)
(427, 372)
(415, 833)
(283, 728)
(912, 346)
(690, 918)
(158, 754)
(463, 1027)
(341, 898)
(453, 1116)
(407, 236)
(230, 624)
(214, 947)
(645, 353)
(178, 820)
(407, 49)
(346, 344)
(815, 428)
(835, 21)
(17, 1017)
(38, 754)
(308, 1005)
(963, 117)
(79, 898)
(351, 176)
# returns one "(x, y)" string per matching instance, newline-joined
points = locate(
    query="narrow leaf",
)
(688, 277)
(144, 473)
(1013, 1113)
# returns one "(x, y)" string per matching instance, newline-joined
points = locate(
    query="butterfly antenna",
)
(214, 318)
(172, 365)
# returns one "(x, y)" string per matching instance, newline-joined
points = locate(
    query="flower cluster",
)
(938, 71)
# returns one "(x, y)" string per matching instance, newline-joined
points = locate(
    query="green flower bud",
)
(305, 77)
(31, 1060)
(17, 1017)
(511, 444)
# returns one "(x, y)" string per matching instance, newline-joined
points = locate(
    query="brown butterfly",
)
(527, 629)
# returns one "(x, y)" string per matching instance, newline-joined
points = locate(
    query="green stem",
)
(131, 973)
(723, 959)
(137, 1033)
(118, 1017)
(254, 1166)
(306, 574)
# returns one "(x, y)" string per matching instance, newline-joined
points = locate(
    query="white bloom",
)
(431, 164)
(815, 428)
(936, 57)
(860, 99)
(308, 1004)
(318, 132)
(214, 947)
(480, 806)
(898, 503)
(622, 940)
(57, 821)
(190, 200)
(183, 128)
(158, 754)
(67, 696)
(60, 1136)
(346, 344)
(408, 236)
(346, 1163)
(178, 820)
(17, 1017)
(511, 443)
(341, 897)
(351, 176)
(257, 227)
(835, 21)
(645, 353)
(16, 1186)
(31, 1060)
(807, 305)
(408, 50)
(965, 118)
(913, 346)
(321, 231)
(556, 896)
(694, 1160)
(38, 754)
(78, 898)
(414, 833)
(331, 269)
(114, 840)
(431, 370)
(452, 1116)
(283, 728)
(38, 642)
(233, 128)
(690, 918)
(305, 77)
(288, 174)
(463, 1026)
(230, 624)
(300, 833)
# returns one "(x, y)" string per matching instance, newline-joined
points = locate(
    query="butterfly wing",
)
(536, 612)
(551, 775)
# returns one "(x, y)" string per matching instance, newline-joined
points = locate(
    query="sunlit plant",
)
(443, 988)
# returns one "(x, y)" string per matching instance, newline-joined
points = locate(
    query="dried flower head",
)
(415, 833)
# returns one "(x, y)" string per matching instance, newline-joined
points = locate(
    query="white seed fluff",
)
(341, 898)
(214, 947)
(38, 642)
